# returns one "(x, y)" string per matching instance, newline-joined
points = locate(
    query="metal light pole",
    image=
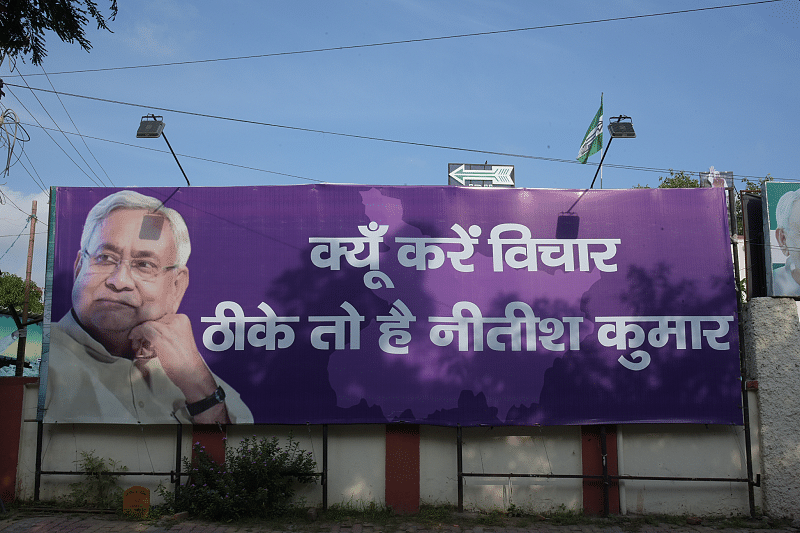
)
(616, 129)
(152, 127)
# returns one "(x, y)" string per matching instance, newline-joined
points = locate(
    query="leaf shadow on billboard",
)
(677, 386)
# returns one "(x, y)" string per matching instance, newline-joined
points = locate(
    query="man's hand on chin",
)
(170, 339)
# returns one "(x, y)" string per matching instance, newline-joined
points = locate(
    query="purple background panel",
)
(251, 245)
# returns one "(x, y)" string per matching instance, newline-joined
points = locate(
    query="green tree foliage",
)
(755, 186)
(23, 24)
(678, 180)
(749, 186)
(12, 293)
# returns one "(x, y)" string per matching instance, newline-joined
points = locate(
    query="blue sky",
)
(710, 88)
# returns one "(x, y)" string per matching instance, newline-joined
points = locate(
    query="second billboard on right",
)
(782, 236)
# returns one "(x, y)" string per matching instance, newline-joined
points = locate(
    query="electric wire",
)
(235, 165)
(40, 182)
(489, 152)
(420, 40)
(147, 449)
(740, 177)
(76, 128)
(546, 455)
(18, 236)
(9, 138)
(62, 132)
(51, 137)
(6, 197)
(35, 233)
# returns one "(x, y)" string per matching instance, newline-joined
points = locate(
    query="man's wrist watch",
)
(206, 403)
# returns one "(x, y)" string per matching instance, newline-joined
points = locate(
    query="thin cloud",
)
(13, 246)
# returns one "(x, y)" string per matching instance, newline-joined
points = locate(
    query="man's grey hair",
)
(134, 200)
(783, 211)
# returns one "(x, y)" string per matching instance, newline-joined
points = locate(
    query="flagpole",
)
(601, 132)
(601, 162)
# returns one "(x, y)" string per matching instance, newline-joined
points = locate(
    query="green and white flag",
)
(593, 141)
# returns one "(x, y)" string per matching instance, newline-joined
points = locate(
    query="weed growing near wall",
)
(99, 487)
(257, 480)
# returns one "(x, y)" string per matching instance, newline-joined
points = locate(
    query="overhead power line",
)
(23, 229)
(78, 130)
(298, 128)
(7, 198)
(51, 137)
(739, 177)
(245, 167)
(412, 41)
(18, 236)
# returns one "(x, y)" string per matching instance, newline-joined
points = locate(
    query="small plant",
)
(563, 516)
(99, 487)
(513, 510)
(436, 513)
(495, 517)
(257, 480)
(358, 510)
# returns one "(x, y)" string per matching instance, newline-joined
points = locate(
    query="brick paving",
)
(64, 523)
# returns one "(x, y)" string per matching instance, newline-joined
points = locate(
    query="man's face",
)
(116, 301)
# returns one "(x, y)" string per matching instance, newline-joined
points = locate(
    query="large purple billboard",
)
(354, 304)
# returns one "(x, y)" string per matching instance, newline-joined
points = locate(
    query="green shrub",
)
(257, 480)
(99, 487)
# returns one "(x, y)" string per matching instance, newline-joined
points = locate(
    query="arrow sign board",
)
(480, 175)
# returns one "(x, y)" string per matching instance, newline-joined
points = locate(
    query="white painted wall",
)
(684, 450)
(356, 459)
(501, 450)
(145, 448)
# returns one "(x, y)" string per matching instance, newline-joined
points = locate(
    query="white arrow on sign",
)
(500, 175)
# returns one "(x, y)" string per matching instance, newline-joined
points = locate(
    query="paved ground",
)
(65, 523)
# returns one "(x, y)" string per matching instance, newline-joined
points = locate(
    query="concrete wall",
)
(684, 450)
(772, 342)
(502, 450)
(356, 458)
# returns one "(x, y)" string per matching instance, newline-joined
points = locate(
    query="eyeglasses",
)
(141, 269)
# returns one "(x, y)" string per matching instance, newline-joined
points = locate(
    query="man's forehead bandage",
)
(151, 227)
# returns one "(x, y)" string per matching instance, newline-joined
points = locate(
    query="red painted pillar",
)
(12, 391)
(213, 439)
(591, 446)
(402, 468)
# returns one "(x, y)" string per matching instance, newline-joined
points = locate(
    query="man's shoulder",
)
(784, 283)
(68, 340)
(61, 337)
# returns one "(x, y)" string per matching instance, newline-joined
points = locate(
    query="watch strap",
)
(206, 403)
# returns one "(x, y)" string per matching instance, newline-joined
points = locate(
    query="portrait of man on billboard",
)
(786, 279)
(123, 353)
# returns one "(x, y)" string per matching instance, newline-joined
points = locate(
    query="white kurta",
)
(87, 384)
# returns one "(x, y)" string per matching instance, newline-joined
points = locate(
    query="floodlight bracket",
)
(150, 127)
(623, 130)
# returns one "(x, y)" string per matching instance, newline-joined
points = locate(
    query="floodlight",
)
(623, 130)
(152, 127)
